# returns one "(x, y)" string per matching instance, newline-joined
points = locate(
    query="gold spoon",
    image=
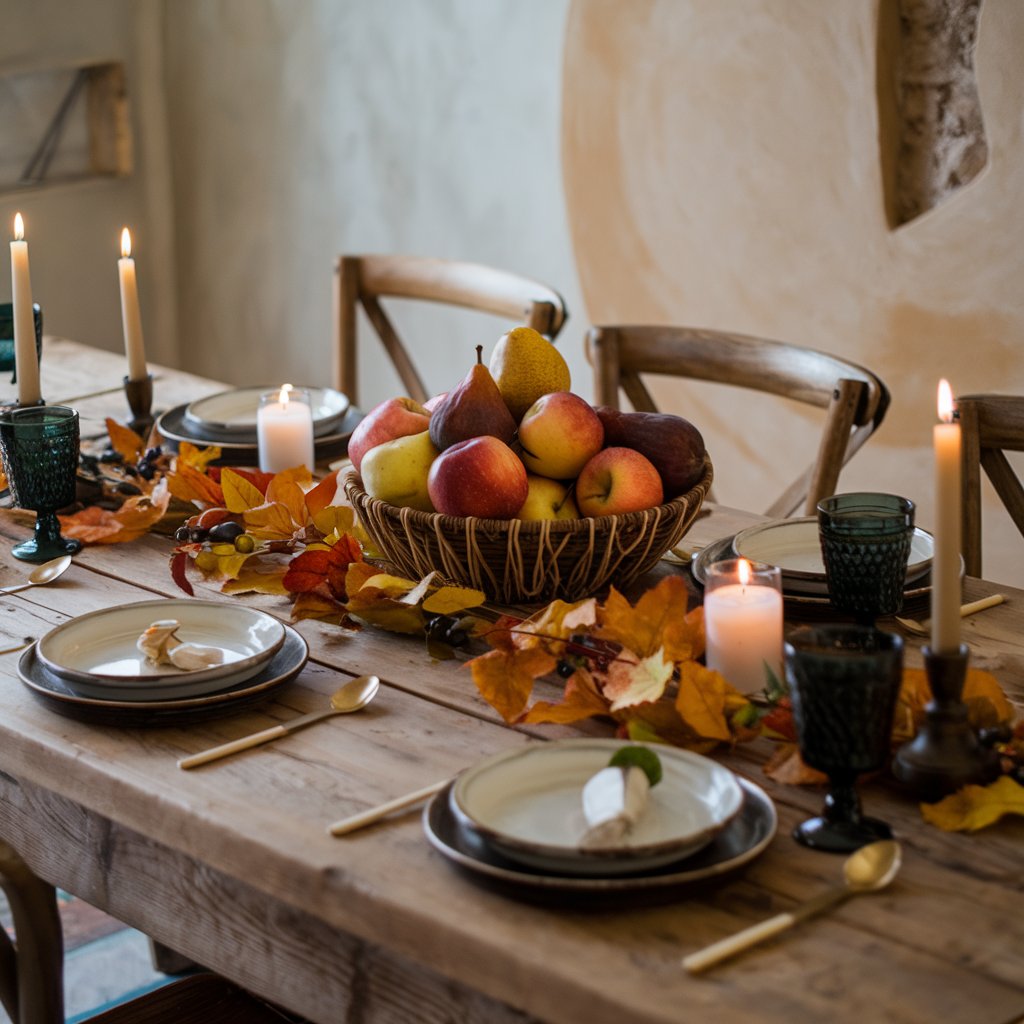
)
(923, 628)
(45, 573)
(353, 696)
(871, 868)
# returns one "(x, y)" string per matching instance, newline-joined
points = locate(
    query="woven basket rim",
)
(528, 526)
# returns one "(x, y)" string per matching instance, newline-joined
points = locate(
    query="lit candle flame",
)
(283, 395)
(126, 243)
(19, 227)
(945, 401)
(744, 572)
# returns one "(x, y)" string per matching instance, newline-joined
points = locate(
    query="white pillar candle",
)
(284, 431)
(946, 558)
(26, 363)
(743, 623)
(131, 317)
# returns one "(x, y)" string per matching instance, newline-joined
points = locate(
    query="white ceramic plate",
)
(792, 545)
(527, 804)
(96, 653)
(235, 411)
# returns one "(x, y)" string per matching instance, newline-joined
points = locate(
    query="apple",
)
(547, 499)
(616, 481)
(397, 417)
(480, 477)
(397, 471)
(672, 443)
(559, 435)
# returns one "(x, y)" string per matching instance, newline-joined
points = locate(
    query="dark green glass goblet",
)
(844, 681)
(865, 544)
(39, 449)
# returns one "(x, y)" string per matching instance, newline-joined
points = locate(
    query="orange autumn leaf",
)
(94, 525)
(307, 571)
(322, 496)
(285, 490)
(658, 620)
(189, 484)
(270, 521)
(702, 701)
(196, 458)
(124, 440)
(787, 766)
(987, 705)
(505, 678)
(975, 807)
(580, 700)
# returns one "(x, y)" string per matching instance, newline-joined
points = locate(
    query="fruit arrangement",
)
(511, 441)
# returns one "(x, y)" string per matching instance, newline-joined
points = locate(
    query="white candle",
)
(284, 431)
(946, 558)
(26, 363)
(743, 624)
(131, 317)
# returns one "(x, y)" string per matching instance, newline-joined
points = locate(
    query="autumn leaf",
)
(987, 705)
(505, 677)
(334, 519)
(657, 620)
(451, 600)
(322, 497)
(628, 682)
(580, 700)
(124, 441)
(270, 521)
(975, 807)
(196, 458)
(189, 484)
(257, 579)
(661, 723)
(307, 572)
(239, 494)
(285, 490)
(702, 700)
(787, 766)
(95, 525)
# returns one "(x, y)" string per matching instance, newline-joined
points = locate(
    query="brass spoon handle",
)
(14, 590)
(254, 740)
(363, 818)
(733, 944)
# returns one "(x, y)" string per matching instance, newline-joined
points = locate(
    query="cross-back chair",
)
(854, 399)
(366, 280)
(31, 970)
(991, 425)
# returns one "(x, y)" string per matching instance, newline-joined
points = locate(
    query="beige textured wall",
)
(722, 169)
(74, 230)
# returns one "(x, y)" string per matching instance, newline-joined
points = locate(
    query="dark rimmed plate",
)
(58, 696)
(174, 429)
(232, 414)
(746, 837)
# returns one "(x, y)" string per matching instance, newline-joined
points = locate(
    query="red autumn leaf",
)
(259, 479)
(179, 563)
(322, 496)
(307, 571)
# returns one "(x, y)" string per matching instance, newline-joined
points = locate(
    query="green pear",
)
(396, 471)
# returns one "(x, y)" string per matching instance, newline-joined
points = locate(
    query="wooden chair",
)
(365, 280)
(991, 426)
(31, 970)
(855, 399)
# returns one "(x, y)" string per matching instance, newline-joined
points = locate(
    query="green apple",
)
(397, 471)
(547, 499)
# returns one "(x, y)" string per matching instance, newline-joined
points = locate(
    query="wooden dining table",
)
(231, 864)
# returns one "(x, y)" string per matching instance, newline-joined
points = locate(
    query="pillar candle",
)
(284, 431)
(131, 318)
(26, 362)
(743, 624)
(946, 559)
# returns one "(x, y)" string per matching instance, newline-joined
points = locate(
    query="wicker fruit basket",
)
(521, 562)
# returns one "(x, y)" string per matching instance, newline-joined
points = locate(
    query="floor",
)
(105, 962)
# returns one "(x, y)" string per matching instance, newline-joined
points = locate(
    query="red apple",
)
(397, 417)
(560, 433)
(616, 481)
(480, 477)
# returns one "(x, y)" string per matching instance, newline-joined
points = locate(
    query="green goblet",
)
(39, 449)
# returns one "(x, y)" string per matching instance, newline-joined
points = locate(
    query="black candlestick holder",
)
(140, 401)
(946, 753)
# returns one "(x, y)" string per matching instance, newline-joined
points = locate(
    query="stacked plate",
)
(228, 420)
(792, 545)
(515, 820)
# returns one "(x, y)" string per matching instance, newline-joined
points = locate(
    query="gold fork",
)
(923, 628)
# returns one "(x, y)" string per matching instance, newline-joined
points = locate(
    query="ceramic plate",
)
(792, 545)
(240, 449)
(56, 693)
(719, 549)
(527, 805)
(745, 837)
(96, 653)
(234, 412)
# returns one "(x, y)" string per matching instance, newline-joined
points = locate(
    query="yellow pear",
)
(525, 365)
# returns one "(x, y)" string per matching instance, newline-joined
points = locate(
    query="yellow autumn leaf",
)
(390, 586)
(390, 615)
(657, 621)
(257, 579)
(197, 458)
(448, 600)
(628, 683)
(284, 490)
(270, 521)
(239, 494)
(334, 520)
(974, 807)
(701, 701)
(124, 440)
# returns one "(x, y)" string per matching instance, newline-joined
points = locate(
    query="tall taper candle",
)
(131, 318)
(26, 363)
(946, 559)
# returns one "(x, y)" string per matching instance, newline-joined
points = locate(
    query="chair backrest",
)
(991, 425)
(365, 280)
(855, 399)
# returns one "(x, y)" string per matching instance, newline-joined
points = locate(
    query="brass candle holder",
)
(946, 753)
(140, 401)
